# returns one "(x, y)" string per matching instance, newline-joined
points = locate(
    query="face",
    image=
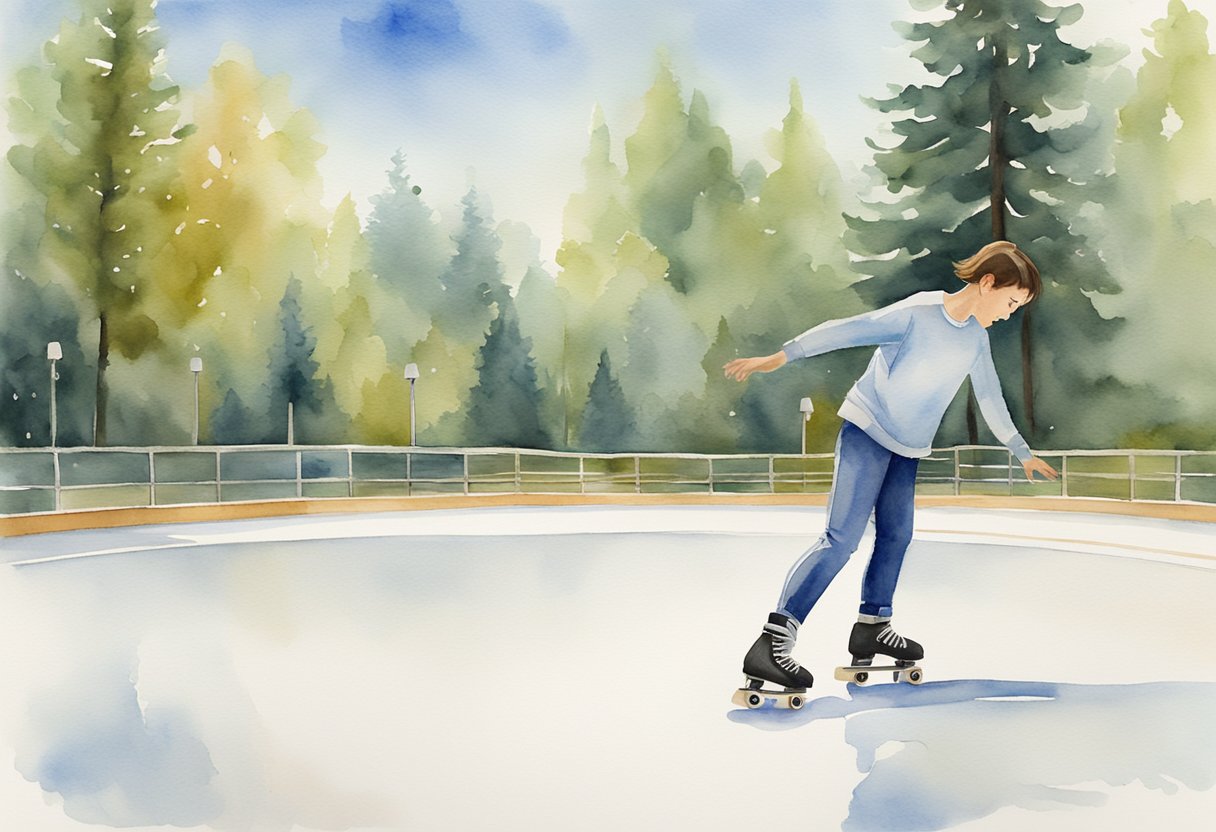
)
(998, 304)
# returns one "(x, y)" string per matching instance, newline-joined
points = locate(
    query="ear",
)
(987, 281)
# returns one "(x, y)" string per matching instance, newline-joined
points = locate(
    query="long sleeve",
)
(882, 326)
(987, 389)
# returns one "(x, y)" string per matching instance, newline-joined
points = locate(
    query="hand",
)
(1034, 464)
(741, 368)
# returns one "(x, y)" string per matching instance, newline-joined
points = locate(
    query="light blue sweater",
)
(922, 358)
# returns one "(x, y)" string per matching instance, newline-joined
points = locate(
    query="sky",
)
(500, 93)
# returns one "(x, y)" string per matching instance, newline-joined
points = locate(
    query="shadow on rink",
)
(945, 753)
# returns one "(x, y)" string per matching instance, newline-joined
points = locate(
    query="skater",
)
(927, 343)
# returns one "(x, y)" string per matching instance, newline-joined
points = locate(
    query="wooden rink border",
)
(106, 518)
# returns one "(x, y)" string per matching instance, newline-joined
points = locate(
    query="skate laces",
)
(889, 637)
(783, 643)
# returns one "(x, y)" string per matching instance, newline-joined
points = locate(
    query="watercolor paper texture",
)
(249, 221)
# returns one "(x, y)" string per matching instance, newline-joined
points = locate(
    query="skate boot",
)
(769, 660)
(868, 640)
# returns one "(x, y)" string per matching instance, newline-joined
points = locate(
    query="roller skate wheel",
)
(796, 702)
(915, 677)
(754, 700)
(861, 677)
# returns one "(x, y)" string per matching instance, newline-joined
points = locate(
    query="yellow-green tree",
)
(108, 170)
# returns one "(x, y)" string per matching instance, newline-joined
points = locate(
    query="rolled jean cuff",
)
(874, 614)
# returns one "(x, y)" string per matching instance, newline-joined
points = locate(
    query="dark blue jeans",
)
(868, 478)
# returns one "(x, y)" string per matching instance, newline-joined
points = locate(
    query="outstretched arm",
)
(987, 388)
(882, 326)
(741, 368)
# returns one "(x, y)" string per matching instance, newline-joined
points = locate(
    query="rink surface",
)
(535, 669)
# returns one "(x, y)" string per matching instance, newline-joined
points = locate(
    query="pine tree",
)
(255, 219)
(473, 277)
(108, 173)
(37, 308)
(974, 164)
(608, 425)
(504, 407)
(604, 265)
(408, 256)
(293, 375)
(674, 156)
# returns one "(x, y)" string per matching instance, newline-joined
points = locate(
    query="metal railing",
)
(35, 480)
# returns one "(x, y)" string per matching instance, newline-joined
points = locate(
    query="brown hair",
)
(1007, 263)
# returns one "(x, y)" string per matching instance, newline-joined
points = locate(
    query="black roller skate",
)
(870, 639)
(769, 660)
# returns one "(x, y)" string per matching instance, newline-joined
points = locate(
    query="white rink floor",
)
(571, 669)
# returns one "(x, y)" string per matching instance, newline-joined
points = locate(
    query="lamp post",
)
(806, 408)
(54, 352)
(196, 367)
(411, 375)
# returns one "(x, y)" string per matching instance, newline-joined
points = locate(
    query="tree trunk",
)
(103, 390)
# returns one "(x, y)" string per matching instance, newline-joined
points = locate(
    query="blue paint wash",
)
(410, 35)
(967, 749)
(113, 762)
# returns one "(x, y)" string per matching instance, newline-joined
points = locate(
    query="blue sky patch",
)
(410, 33)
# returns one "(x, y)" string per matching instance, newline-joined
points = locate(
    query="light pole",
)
(411, 375)
(54, 352)
(806, 409)
(196, 367)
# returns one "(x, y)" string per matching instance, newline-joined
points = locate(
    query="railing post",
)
(1131, 473)
(637, 474)
(1064, 475)
(582, 480)
(299, 474)
(219, 488)
(58, 480)
(1177, 477)
(957, 474)
(151, 478)
(1011, 475)
(518, 479)
(772, 478)
(466, 471)
(350, 472)
(711, 475)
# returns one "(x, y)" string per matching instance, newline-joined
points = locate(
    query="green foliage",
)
(293, 378)
(408, 256)
(978, 159)
(608, 423)
(139, 242)
(504, 406)
(1158, 235)
(105, 164)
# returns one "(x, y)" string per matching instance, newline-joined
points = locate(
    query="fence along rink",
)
(35, 480)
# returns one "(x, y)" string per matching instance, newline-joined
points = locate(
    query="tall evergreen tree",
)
(973, 165)
(608, 424)
(293, 376)
(604, 265)
(674, 156)
(108, 172)
(473, 277)
(408, 256)
(255, 219)
(504, 408)
(38, 303)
